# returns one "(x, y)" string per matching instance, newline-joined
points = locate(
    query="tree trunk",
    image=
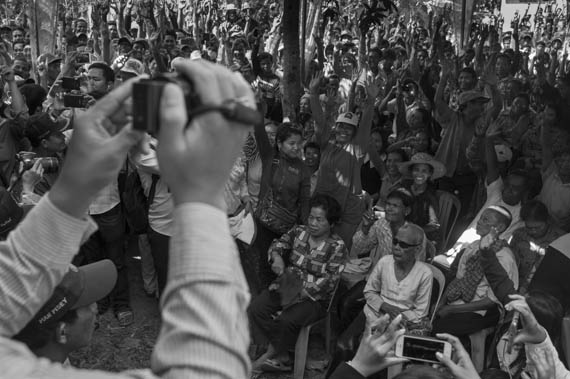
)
(291, 60)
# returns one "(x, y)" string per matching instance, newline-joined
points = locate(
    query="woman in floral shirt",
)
(308, 261)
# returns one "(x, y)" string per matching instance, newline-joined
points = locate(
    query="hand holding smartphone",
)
(422, 349)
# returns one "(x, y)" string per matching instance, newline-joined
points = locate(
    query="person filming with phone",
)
(469, 304)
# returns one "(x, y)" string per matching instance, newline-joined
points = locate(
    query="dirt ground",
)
(114, 348)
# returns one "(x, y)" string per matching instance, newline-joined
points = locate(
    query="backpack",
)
(135, 202)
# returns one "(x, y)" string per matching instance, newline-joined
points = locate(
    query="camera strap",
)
(232, 110)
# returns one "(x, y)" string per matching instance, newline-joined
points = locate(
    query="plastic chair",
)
(447, 214)
(302, 344)
(478, 340)
(440, 279)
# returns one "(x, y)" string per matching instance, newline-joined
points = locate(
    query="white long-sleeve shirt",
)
(204, 330)
(533, 351)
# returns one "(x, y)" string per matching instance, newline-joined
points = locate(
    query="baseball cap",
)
(81, 286)
(348, 118)
(133, 66)
(124, 39)
(231, 7)
(10, 213)
(141, 41)
(49, 58)
(41, 125)
(468, 96)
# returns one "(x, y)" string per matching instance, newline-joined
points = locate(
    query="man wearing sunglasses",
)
(400, 283)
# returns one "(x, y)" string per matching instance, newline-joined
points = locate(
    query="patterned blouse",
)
(319, 267)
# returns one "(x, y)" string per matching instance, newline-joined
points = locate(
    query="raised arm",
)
(204, 332)
(322, 129)
(442, 110)
(363, 133)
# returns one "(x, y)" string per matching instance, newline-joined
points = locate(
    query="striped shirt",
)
(204, 332)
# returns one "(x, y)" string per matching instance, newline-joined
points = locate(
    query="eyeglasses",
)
(402, 244)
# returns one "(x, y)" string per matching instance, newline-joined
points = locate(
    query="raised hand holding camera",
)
(196, 158)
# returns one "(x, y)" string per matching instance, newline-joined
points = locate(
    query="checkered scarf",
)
(466, 287)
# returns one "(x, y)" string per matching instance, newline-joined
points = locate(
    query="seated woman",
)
(419, 172)
(400, 283)
(315, 258)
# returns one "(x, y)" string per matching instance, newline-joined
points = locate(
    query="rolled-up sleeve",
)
(34, 259)
(204, 331)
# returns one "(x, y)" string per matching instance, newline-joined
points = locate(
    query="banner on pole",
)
(44, 26)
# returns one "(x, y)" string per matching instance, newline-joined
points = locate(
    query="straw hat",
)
(423, 158)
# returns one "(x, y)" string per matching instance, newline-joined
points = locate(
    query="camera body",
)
(146, 100)
(148, 92)
(69, 83)
(74, 101)
(49, 164)
(83, 58)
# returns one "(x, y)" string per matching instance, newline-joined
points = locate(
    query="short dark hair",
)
(312, 145)
(171, 33)
(547, 310)
(329, 205)
(469, 71)
(265, 55)
(402, 194)
(36, 336)
(286, 130)
(401, 153)
(108, 72)
(534, 210)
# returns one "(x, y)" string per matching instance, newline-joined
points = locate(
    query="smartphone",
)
(74, 101)
(83, 58)
(69, 83)
(422, 349)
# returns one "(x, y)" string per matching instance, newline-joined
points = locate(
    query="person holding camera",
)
(204, 331)
(48, 145)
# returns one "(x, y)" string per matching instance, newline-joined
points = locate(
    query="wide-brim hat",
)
(423, 158)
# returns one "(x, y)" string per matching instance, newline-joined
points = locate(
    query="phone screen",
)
(416, 348)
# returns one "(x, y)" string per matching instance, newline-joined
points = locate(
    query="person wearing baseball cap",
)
(66, 321)
(124, 45)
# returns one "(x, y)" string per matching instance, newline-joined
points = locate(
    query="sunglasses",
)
(402, 244)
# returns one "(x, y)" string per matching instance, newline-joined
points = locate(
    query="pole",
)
(463, 22)
(303, 38)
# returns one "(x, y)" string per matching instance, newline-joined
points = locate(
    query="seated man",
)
(508, 194)
(372, 241)
(67, 320)
(400, 283)
(469, 304)
(300, 295)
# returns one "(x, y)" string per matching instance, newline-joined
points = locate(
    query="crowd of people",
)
(407, 159)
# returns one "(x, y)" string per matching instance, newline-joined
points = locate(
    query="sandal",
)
(125, 318)
(272, 365)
